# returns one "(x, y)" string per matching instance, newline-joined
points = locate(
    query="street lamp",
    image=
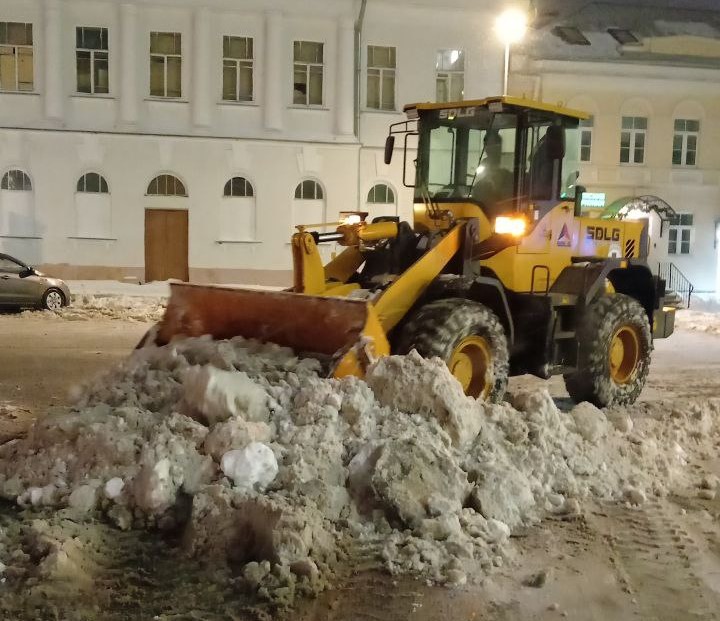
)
(510, 27)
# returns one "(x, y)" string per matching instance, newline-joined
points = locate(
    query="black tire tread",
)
(436, 328)
(591, 381)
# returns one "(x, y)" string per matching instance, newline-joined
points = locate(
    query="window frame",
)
(16, 57)
(676, 230)
(102, 183)
(246, 184)
(685, 135)
(381, 71)
(25, 178)
(633, 134)
(373, 192)
(236, 63)
(165, 57)
(447, 75)
(585, 128)
(93, 57)
(308, 70)
(166, 195)
(301, 187)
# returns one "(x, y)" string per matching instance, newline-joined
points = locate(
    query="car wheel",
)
(53, 300)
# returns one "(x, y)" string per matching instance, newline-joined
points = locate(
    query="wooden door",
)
(166, 244)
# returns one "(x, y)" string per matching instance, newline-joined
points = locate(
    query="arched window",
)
(237, 211)
(238, 186)
(309, 190)
(309, 203)
(380, 201)
(92, 182)
(381, 193)
(17, 204)
(16, 180)
(93, 210)
(166, 185)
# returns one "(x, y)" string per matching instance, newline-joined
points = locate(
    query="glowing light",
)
(511, 25)
(454, 55)
(506, 225)
(352, 218)
(480, 169)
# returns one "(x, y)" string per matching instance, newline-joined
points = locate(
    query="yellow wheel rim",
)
(624, 354)
(469, 363)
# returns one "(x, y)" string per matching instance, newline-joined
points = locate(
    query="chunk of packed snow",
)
(252, 467)
(217, 395)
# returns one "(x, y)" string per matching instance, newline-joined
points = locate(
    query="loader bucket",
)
(338, 328)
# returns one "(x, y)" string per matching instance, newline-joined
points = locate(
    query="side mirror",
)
(556, 142)
(389, 146)
(27, 271)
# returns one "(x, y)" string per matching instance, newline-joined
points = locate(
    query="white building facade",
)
(655, 128)
(150, 140)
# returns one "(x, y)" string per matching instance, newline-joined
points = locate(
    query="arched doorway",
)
(166, 230)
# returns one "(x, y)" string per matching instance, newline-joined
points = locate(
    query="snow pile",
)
(271, 468)
(698, 321)
(123, 307)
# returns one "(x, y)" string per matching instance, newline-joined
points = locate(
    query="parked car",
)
(22, 286)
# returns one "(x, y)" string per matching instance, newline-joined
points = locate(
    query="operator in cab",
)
(493, 184)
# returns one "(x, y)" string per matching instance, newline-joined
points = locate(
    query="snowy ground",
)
(604, 560)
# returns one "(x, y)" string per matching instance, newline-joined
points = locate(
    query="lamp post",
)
(510, 27)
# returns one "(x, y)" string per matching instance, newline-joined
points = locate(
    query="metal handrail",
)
(676, 281)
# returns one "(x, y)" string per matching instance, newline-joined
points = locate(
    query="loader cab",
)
(496, 156)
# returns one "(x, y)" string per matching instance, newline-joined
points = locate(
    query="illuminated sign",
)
(593, 199)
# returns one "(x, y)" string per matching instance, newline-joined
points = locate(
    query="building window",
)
(16, 56)
(92, 60)
(378, 200)
(380, 77)
(680, 233)
(381, 193)
(685, 142)
(309, 190)
(17, 204)
(238, 186)
(632, 140)
(309, 203)
(16, 180)
(92, 182)
(165, 64)
(237, 68)
(237, 211)
(93, 213)
(586, 131)
(166, 185)
(308, 73)
(450, 75)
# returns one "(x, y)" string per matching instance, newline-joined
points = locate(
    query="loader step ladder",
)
(678, 287)
(563, 347)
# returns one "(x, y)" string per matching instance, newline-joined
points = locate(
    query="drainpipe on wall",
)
(356, 98)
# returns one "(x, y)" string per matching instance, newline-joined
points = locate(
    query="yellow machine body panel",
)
(533, 265)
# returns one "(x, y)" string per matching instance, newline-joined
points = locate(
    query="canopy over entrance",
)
(620, 208)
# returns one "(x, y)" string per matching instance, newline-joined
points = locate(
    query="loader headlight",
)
(507, 225)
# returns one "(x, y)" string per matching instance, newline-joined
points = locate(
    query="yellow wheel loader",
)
(499, 273)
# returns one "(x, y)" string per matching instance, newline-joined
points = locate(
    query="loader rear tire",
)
(614, 347)
(468, 337)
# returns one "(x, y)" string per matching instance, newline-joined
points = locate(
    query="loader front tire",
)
(614, 347)
(468, 337)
